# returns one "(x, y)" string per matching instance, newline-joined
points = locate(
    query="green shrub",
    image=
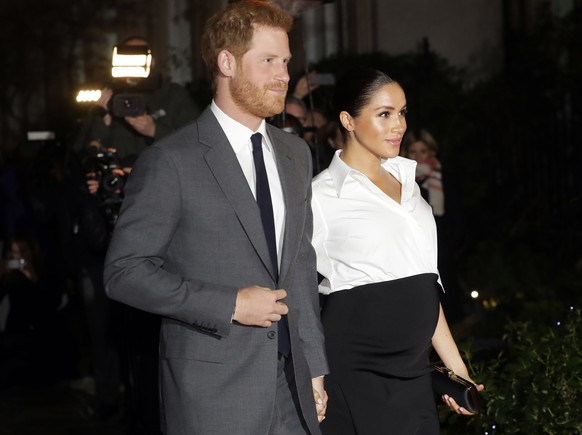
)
(534, 386)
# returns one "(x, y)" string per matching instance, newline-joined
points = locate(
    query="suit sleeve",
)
(134, 266)
(310, 328)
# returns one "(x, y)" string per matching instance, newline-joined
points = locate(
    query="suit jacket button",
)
(271, 334)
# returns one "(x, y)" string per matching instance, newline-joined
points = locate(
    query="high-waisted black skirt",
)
(378, 340)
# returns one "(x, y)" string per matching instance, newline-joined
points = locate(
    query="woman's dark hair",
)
(354, 90)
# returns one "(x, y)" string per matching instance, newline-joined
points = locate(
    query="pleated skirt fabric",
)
(378, 340)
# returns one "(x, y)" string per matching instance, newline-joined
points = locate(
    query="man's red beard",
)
(260, 102)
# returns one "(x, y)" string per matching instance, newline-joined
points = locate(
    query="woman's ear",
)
(226, 63)
(346, 120)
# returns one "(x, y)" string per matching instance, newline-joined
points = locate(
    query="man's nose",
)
(283, 73)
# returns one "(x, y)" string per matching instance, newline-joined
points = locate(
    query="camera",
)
(131, 96)
(106, 166)
(15, 264)
(131, 66)
(128, 105)
(108, 170)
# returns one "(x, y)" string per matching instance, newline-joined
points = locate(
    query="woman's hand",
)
(450, 402)
(320, 397)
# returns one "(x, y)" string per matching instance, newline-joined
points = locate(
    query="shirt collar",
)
(237, 134)
(338, 171)
(402, 168)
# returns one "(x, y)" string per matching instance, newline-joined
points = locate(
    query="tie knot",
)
(257, 140)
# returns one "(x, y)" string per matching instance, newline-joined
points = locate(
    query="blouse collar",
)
(401, 168)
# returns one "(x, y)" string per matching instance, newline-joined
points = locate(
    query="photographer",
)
(106, 174)
(154, 107)
(92, 211)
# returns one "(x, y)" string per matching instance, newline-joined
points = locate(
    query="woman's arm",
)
(445, 346)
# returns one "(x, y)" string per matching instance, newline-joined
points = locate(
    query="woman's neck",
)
(366, 163)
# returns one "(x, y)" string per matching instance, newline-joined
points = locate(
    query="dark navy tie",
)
(266, 206)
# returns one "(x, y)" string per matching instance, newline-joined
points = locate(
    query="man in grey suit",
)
(229, 267)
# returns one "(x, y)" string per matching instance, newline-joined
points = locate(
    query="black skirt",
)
(378, 340)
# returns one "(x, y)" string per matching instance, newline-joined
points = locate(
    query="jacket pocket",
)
(183, 342)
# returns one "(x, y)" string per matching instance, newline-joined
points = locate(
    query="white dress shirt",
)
(362, 236)
(239, 137)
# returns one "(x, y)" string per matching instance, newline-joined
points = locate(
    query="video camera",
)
(131, 67)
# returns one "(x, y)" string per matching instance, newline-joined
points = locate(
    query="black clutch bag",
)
(445, 381)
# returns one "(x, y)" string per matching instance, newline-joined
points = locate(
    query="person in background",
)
(422, 147)
(296, 107)
(376, 245)
(168, 106)
(329, 141)
(331, 134)
(31, 297)
(315, 119)
(317, 133)
(305, 85)
(311, 123)
(214, 235)
(293, 126)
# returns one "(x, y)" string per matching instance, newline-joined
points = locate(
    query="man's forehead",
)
(270, 41)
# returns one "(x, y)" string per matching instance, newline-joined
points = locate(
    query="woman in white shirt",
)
(376, 245)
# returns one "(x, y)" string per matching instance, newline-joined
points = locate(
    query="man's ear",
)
(226, 63)
(346, 120)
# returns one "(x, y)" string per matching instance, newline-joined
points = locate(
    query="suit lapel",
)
(291, 196)
(226, 169)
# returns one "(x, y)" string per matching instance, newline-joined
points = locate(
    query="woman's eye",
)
(389, 115)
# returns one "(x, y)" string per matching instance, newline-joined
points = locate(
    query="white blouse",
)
(362, 236)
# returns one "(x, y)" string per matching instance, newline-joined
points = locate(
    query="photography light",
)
(40, 135)
(131, 61)
(88, 96)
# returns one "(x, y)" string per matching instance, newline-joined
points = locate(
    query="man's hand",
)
(259, 306)
(320, 397)
(143, 124)
(92, 182)
(103, 102)
(305, 86)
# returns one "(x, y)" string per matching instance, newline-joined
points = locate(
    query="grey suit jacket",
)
(189, 235)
